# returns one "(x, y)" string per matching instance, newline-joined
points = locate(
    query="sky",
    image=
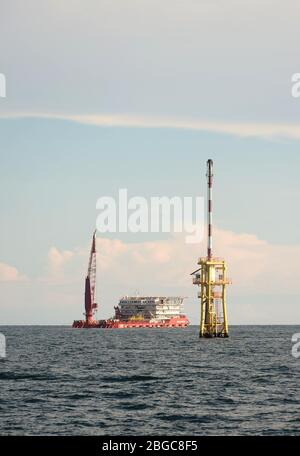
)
(131, 94)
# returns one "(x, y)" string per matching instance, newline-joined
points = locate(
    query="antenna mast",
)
(209, 207)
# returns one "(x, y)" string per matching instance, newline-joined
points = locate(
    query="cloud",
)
(241, 129)
(254, 264)
(257, 266)
(57, 260)
(9, 273)
(264, 276)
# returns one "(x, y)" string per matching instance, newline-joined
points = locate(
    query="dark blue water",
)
(62, 381)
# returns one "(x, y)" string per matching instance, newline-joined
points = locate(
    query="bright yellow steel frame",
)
(211, 277)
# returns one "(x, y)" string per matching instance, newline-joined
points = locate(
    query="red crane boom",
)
(90, 284)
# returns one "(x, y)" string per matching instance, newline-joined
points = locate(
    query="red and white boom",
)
(90, 284)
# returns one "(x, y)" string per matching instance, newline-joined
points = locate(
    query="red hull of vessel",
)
(176, 322)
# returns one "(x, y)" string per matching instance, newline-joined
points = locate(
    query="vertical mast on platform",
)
(209, 206)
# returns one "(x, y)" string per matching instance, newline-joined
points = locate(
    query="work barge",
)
(132, 311)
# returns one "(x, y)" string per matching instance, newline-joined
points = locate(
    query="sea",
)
(63, 381)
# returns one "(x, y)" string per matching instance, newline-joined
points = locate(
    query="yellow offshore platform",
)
(212, 279)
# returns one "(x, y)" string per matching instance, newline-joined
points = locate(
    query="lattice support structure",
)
(212, 280)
